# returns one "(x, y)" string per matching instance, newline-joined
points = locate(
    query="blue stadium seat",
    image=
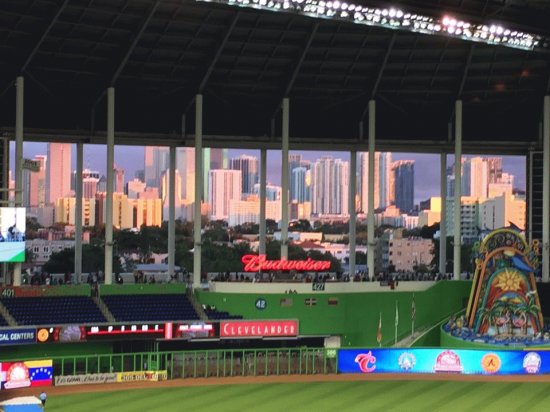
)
(133, 308)
(53, 310)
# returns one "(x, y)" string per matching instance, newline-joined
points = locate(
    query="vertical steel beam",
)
(172, 211)
(284, 179)
(370, 198)
(19, 109)
(78, 213)
(546, 190)
(197, 234)
(352, 211)
(443, 218)
(458, 191)
(263, 183)
(110, 186)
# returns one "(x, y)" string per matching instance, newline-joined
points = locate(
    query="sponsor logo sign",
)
(432, 361)
(153, 376)
(258, 329)
(491, 363)
(85, 379)
(256, 263)
(17, 336)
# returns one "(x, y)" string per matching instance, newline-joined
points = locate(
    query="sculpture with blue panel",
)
(504, 303)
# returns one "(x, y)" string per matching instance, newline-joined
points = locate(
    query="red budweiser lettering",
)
(255, 263)
(259, 328)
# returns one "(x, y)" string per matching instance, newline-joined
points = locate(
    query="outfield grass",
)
(320, 396)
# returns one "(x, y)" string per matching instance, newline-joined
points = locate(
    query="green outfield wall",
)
(353, 316)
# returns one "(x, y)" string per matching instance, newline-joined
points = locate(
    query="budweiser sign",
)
(258, 329)
(255, 263)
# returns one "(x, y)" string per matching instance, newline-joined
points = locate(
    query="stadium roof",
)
(160, 53)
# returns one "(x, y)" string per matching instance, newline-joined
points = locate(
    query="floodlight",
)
(397, 19)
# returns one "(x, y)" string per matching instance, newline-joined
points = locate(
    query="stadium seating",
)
(53, 310)
(214, 314)
(150, 307)
(3, 321)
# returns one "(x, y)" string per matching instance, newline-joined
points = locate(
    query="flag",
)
(413, 309)
(396, 314)
(379, 333)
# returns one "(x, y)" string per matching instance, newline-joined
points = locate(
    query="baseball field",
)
(324, 393)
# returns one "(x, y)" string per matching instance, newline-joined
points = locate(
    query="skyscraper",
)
(301, 183)
(218, 158)
(383, 180)
(330, 186)
(225, 186)
(156, 162)
(119, 180)
(248, 165)
(296, 184)
(58, 171)
(403, 171)
(185, 161)
(34, 184)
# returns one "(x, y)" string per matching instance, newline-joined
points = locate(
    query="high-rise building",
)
(65, 211)
(403, 171)
(165, 183)
(296, 184)
(330, 186)
(248, 165)
(34, 184)
(156, 162)
(219, 159)
(185, 161)
(300, 181)
(225, 186)
(134, 187)
(58, 171)
(383, 180)
(119, 180)
(272, 192)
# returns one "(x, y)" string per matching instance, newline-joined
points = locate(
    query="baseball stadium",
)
(280, 330)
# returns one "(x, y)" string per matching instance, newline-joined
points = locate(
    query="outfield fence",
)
(205, 363)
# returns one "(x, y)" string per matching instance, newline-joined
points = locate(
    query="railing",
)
(206, 363)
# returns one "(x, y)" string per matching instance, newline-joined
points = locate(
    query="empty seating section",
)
(53, 310)
(3, 321)
(214, 314)
(148, 308)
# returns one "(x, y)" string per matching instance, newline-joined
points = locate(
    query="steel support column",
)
(352, 211)
(546, 190)
(197, 234)
(78, 213)
(370, 200)
(284, 180)
(457, 229)
(443, 218)
(19, 108)
(110, 186)
(263, 184)
(172, 211)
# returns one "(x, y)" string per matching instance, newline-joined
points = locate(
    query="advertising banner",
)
(26, 374)
(17, 336)
(153, 376)
(258, 328)
(85, 379)
(63, 334)
(456, 361)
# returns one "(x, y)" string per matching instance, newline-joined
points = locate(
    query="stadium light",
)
(396, 19)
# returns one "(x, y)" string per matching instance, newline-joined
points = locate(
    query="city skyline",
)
(131, 159)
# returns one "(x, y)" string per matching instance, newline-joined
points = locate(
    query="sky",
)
(427, 175)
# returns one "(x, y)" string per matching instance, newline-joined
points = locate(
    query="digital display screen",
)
(12, 234)
(125, 331)
(455, 361)
(25, 374)
(62, 334)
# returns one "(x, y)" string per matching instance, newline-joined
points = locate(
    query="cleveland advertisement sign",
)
(258, 328)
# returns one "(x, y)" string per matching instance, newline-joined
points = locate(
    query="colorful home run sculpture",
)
(504, 299)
